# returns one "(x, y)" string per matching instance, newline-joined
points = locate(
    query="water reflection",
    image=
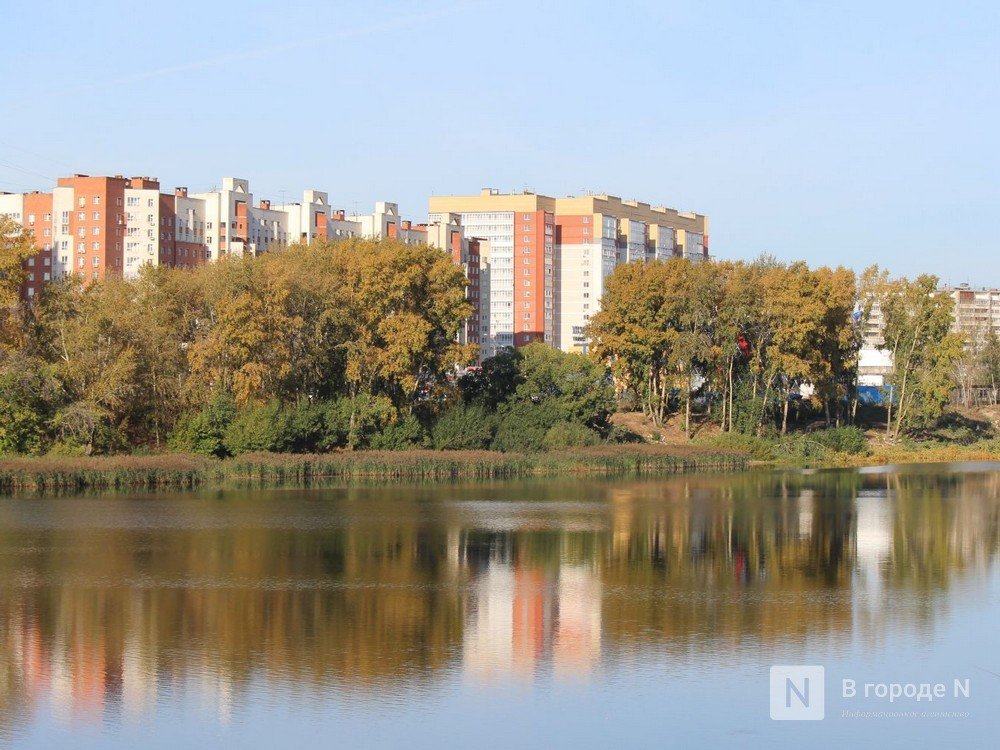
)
(111, 607)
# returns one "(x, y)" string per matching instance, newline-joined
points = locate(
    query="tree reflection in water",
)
(111, 604)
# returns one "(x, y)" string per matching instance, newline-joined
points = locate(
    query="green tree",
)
(918, 333)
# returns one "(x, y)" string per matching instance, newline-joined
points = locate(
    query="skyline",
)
(768, 143)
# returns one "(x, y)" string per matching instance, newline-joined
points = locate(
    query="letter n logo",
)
(797, 693)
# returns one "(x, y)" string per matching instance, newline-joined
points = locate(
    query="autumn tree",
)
(16, 246)
(918, 333)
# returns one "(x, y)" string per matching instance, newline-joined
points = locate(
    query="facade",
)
(977, 312)
(519, 275)
(548, 257)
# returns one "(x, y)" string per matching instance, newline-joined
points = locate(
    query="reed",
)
(272, 469)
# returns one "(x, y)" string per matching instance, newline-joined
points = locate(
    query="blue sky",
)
(835, 132)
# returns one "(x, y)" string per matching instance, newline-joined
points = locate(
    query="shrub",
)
(620, 435)
(371, 414)
(842, 439)
(402, 435)
(304, 426)
(759, 448)
(255, 429)
(524, 424)
(464, 428)
(570, 435)
(201, 432)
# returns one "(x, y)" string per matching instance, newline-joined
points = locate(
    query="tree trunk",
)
(687, 409)
(888, 413)
(730, 394)
(784, 415)
(763, 405)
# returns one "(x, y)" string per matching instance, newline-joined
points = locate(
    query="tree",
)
(918, 333)
(16, 246)
(989, 363)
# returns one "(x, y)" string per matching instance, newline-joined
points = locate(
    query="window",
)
(79, 262)
(133, 201)
(81, 232)
(97, 215)
(47, 232)
(47, 217)
(82, 216)
(150, 219)
(97, 200)
(31, 261)
(46, 276)
(31, 219)
(95, 231)
(82, 202)
(97, 261)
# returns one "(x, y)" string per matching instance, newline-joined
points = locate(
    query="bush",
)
(464, 428)
(620, 435)
(842, 439)
(569, 435)
(758, 448)
(256, 429)
(402, 435)
(524, 424)
(201, 432)
(304, 426)
(371, 415)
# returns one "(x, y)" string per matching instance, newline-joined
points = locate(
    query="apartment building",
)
(595, 233)
(33, 211)
(548, 257)
(977, 312)
(518, 306)
(447, 233)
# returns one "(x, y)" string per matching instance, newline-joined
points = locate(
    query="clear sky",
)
(835, 132)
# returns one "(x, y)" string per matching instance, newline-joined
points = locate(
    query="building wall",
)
(547, 286)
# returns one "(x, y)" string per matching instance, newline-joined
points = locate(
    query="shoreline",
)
(180, 471)
(171, 471)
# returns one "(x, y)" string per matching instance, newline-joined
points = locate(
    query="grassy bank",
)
(830, 449)
(269, 469)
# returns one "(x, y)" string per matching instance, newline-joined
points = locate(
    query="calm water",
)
(542, 614)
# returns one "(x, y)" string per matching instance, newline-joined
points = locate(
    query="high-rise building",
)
(548, 257)
(518, 280)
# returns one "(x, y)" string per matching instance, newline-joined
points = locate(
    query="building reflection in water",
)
(112, 607)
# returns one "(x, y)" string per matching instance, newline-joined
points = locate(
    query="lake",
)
(534, 614)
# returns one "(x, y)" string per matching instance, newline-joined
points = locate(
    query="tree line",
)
(352, 344)
(332, 345)
(748, 343)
